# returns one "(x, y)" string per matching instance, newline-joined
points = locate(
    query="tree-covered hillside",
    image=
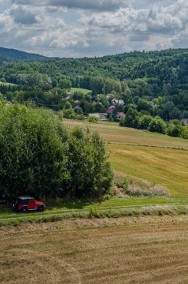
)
(7, 54)
(154, 82)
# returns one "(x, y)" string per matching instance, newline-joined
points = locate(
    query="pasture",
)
(157, 158)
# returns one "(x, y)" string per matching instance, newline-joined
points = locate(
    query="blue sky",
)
(79, 28)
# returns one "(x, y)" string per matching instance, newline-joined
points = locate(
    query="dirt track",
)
(124, 250)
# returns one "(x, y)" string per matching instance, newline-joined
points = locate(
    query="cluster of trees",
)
(42, 157)
(140, 120)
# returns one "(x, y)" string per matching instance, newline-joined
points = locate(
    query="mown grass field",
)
(103, 251)
(154, 157)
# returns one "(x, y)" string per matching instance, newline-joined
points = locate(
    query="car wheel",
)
(24, 209)
(41, 208)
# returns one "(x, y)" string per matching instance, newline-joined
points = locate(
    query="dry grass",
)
(125, 250)
(131, 186)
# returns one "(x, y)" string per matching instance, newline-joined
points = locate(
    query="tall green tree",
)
(90, 172)
(33, 152)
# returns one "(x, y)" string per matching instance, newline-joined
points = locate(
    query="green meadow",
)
(81, 90)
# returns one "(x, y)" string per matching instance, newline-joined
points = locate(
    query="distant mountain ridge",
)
(10, 54)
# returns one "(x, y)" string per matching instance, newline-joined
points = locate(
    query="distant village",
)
(111, 112)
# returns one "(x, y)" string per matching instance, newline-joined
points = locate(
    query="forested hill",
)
(154, 82)
(7, 54)
(128, 65)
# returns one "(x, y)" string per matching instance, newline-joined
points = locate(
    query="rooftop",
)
(25, 197)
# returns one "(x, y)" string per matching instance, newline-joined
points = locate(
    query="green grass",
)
(80, 206)
(114, 202)
(113, 207)
(81, 90)
(66, 205)
(138, 201)
(93, 212)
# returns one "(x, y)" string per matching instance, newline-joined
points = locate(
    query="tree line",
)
(143, 121)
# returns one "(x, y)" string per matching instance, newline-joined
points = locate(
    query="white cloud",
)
(98, 5)
(89, 28)
(22, 16)
(6, 23)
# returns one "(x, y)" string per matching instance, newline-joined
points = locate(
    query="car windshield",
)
(22, 201)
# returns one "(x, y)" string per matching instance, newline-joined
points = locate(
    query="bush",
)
(174, 128)
(184, 132)
(93, 119)
(130, 119)
(122, 183)
(144, 121)
(157, 124)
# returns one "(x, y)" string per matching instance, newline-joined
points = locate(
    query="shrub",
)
(92, 119)
(122, 183)
(157, 124)
(184, 132)
(144, 121)
(130, 119)
(174, 128)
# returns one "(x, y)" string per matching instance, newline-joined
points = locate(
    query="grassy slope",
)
(167, 167)
(157, 158)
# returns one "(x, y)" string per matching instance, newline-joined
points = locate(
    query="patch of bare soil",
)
(124, 250)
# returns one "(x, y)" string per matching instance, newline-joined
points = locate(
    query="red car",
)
(27, 203)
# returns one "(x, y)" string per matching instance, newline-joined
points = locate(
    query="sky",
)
(87, 28)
